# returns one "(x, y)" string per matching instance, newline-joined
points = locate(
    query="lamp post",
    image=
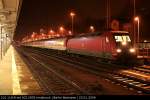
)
(138, 33)
(72, 16)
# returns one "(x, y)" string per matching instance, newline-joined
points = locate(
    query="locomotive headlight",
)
(132, 50)
(119, 50)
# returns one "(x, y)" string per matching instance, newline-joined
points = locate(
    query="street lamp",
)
(137, 19)
(138, 37)
(92, 28)
(62, 30)
(72, 16)
(51, 31)
(70, 33)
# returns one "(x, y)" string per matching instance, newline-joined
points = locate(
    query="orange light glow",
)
(51, 31)
(70, 33)
(92, 28)
(61, 28)
(136, 18)
(72, 14)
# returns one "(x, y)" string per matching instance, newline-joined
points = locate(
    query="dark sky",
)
(36, 14)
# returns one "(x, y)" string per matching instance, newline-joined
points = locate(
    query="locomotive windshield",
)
(122, 38)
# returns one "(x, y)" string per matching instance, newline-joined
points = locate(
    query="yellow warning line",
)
(15, 77)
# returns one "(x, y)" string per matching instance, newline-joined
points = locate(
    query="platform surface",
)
(15, 76)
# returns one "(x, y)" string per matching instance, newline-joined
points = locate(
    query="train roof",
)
(47, 39)
(83, 35)
(89, 34)
(99, 33)
(144, 42)
(119, 31)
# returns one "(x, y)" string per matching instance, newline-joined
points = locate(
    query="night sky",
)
(46, 14)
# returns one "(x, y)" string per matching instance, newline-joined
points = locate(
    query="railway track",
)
(137, 83)
(52, 82)
(143, 69)
(125, 79)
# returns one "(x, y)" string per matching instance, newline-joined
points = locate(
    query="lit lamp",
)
(51, 31)
(92, 28)
(61, 29)
(70, 33)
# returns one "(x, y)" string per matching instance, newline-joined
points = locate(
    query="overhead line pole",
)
(134, 29)
(108, 17)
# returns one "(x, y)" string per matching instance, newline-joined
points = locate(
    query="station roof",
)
(9, 13)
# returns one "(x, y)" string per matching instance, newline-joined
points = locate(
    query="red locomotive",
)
(107, 45)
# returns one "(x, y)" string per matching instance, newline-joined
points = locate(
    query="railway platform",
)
(15, 77)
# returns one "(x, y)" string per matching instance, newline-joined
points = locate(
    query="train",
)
(111, 45)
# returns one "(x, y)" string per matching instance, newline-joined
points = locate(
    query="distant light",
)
(92, 28)
(58, 35)
(132, 50)
(70, 33)
(145, 40)
(51, 31)
(61, 28)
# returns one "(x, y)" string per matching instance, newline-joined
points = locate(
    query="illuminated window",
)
(122, 38)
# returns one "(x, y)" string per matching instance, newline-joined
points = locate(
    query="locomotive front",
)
(124, 46)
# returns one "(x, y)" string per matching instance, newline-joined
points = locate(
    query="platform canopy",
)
(9, 13)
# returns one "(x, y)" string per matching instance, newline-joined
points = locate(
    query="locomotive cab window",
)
(122, 38)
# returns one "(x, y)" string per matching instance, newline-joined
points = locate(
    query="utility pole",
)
(72, 14)
(134, 27)
(108, 17)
